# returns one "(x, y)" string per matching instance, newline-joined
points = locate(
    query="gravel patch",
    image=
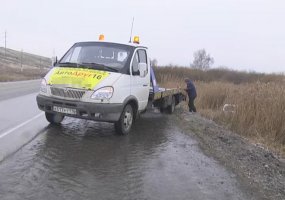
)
(258, 168)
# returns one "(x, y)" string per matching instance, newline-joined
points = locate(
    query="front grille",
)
(67, 93)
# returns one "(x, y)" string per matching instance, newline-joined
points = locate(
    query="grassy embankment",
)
(16, 65)
(258, 99)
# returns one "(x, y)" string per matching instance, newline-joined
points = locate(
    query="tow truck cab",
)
(99, 81)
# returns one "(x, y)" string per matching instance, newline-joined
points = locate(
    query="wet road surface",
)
(10, 90)
(14, 111)
(87, 160)
(20, 119)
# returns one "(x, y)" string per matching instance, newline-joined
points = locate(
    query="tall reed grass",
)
(259, 103)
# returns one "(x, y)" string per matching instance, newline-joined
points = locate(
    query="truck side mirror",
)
(142, 69)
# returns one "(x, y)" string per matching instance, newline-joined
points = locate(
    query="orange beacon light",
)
(136, 40)
(101, 37)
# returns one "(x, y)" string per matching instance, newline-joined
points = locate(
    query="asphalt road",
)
(10, 90)
(86, 160)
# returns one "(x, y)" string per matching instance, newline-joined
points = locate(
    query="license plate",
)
(64, 110)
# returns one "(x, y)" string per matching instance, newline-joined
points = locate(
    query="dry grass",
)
(259, 112)
(220, 74)
(15, 74)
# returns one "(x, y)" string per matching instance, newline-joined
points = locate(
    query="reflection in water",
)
(81, 159)
(93, 160)
(87, 160)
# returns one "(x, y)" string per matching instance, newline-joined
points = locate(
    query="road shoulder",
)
(257, 168)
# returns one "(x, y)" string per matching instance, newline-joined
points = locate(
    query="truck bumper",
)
(84, 110)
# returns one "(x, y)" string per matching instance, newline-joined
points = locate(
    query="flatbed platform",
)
(163, 92)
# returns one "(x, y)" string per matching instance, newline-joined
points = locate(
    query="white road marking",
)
(20, 125)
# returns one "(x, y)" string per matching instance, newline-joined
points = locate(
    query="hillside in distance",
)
(18, 65)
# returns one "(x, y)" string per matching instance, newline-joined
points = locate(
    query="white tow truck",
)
(104, 81)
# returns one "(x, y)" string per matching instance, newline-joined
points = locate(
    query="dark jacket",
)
(191, 90)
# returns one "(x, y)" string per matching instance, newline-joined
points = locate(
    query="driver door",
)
(140, 85)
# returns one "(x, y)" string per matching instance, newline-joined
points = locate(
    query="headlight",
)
(43, 86)
(103, 93)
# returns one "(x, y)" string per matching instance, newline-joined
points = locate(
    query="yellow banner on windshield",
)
(77, 77)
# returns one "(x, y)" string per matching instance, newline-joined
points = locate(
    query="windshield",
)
(98, 54)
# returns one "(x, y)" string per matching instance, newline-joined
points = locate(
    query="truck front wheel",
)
(54, 118)
(124, 125)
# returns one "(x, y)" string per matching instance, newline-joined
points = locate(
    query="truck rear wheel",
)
(171, 108)
(124, 125)
(54, 118)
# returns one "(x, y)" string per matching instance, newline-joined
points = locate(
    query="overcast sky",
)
(239, 34)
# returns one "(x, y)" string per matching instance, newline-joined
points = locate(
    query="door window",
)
(135, 66)
(140, 57)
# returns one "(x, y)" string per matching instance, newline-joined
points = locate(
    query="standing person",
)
(192, 94)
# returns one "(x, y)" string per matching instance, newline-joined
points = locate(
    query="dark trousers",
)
(191, 105)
